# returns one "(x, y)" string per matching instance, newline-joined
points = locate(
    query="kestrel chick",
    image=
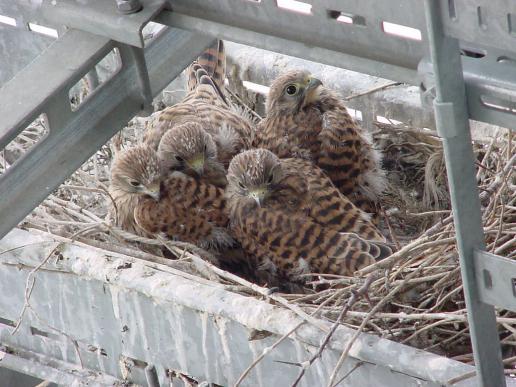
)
(305, 119)
(292, 240)
(326, 205)
(178, 206)
(299, 187)
(135, 173)
(205, 104)
(188, 210)
(188, 148)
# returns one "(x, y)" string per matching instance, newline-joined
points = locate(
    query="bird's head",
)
(254, 175)
(137, 171)
(187, 148)
(293, 90)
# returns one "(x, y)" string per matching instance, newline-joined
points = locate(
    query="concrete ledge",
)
(123, 315)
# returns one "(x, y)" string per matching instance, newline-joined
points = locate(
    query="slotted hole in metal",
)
(38, 332)
(10, 21)
(5, 321)
(295, 6)
(347, 18)
(506, 60)
(104, 70)
(511, 23)
(401, 31)
(472, 53)
(23, 142)
(488, 280)
(451, 9)
(497, 103)
(481, 18)
(43, 30)
(151, 31)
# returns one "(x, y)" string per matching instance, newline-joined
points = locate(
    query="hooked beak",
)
(153, 191)
(310, 93)
(197, 164)
(258, 195)
(313, 84)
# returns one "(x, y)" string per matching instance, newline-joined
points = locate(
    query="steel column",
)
(452, 124)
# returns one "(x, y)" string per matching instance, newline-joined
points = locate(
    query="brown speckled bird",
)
(178, 206)
(262, 200)
(135, 174)
(205, 104)
(188, 148)
(306, 120)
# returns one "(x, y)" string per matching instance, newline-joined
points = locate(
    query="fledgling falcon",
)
(205, 104)
(178, 206)
(262, 199)
(188, 148)
(305, 119)
(135, 173)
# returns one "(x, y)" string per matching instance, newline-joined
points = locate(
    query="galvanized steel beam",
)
(75, 136)
(452, 124)
(298, 47)
(365, 46)
(100, 17)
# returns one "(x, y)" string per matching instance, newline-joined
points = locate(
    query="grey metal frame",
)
(451, 114)
(481, 86)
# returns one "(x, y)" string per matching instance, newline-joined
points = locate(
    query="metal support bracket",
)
(138, 55)
(496, 279)
(100, 17)
(452, 121)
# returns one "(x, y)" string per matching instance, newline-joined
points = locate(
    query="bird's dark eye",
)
(241, 185)
(179, 158)
(291, 89)
(134, 183)
(270, 179)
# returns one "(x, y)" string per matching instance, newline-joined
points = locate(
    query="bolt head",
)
(128, 6)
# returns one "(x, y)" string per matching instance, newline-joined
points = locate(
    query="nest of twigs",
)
(414, 297)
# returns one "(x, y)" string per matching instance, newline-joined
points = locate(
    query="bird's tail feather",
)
(213, 60)
(209, 69)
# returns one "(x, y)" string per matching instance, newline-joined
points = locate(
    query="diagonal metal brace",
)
(73, 137)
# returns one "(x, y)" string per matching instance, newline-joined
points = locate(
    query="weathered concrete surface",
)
(124, 314)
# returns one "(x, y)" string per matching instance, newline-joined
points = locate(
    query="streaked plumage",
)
(205, 104)
(276, 217)
(188, 210)
(306, 120)
(188, 148)
(135, 174)
(178, 206)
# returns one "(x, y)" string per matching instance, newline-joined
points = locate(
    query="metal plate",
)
(496, 279)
